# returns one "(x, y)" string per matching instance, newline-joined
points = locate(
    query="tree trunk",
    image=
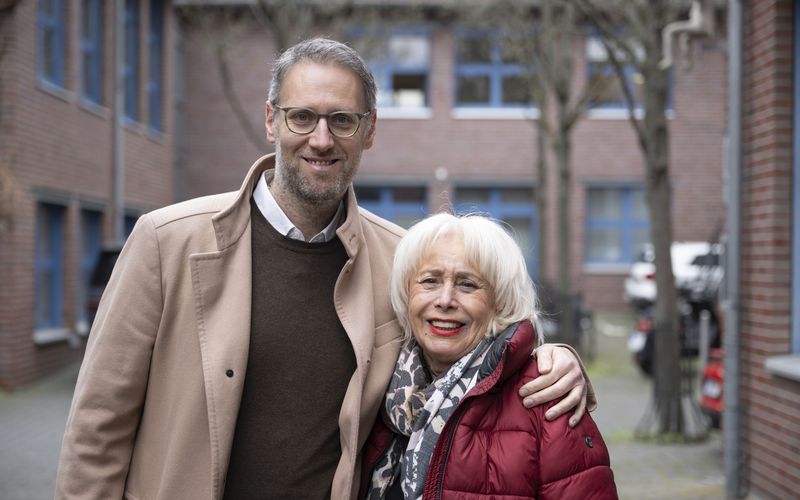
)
(562, 148)
(674, 412)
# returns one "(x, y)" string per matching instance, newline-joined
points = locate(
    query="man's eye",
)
(342, 119)
(301, 117)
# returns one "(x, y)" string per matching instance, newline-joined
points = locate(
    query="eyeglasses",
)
(303, 121)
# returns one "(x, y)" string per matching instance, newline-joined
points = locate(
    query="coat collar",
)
(231, 222)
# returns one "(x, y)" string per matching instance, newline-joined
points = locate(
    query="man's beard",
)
(303, 189)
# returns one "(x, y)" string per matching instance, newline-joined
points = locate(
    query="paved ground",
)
(32, 422)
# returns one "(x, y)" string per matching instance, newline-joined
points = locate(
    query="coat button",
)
(229, 373)
(588, 441)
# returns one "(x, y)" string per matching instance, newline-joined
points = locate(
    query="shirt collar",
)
(277, 218)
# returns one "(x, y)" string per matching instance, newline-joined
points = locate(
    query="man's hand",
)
(561, 374)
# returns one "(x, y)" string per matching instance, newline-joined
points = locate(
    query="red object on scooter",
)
(711, 386)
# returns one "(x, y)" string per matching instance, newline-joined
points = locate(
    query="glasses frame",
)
(359, 116)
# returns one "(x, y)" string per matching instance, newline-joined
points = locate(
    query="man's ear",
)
(373, 119)
(269, 121)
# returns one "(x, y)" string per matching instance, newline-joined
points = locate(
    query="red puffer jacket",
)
(492, 446)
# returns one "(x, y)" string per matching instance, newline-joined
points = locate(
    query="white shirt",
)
(277, 218)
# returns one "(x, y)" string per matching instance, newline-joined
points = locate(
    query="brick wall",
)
(60, 151)
(771, 420)
(473, 151)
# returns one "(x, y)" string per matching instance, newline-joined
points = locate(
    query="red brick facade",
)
(486, 152)
(55, 148)
(771, 404)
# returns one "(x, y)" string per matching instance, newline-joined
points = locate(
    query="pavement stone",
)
(32, 423)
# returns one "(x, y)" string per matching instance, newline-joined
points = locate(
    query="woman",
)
(453, 425)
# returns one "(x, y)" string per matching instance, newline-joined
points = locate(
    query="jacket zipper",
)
(450, 439)
(459, 413)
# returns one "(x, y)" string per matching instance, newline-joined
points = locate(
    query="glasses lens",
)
(301, 121)
(343, 124)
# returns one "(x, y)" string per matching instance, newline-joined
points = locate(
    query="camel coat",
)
(158, 393)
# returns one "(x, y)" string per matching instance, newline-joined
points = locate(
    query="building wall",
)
(771, 404)
(59, 150)
(484, 151)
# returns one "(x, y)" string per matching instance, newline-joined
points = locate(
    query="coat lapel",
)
(222, 291)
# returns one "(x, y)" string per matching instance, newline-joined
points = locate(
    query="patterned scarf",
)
(417, 409)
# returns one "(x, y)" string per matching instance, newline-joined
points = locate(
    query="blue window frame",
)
(49, 268)
(488, 73)
(617, 224)
(403, 205)
(51, 41)
(91, 241)
(402, 68)
(602, 78)
(92, 22)
(516, 206)
(155, 44)
(131, 62)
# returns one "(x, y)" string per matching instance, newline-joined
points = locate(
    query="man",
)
(218, 365)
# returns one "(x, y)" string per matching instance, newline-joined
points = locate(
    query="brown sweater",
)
(300, 361)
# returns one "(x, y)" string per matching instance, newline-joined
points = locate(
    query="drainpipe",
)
(731, 428)
(118, 139)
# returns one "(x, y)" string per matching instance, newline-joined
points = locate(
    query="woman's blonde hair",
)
(488, 247)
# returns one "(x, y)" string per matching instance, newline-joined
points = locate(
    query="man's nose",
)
(321, 137)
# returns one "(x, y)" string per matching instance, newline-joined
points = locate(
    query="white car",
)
(687, 265)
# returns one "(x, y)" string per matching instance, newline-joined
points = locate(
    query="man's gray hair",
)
(323, 51)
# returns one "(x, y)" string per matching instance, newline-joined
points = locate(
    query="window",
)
(403, 205)
(513, 205)
(91, 238)
(604, 82)
(155, 43)
(92, 50)
(51, 41)
(131, 62)
(617, 224)
(400, 61)
(49, 270)
(489, 73)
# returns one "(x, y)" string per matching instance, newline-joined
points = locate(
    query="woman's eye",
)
(469, 285)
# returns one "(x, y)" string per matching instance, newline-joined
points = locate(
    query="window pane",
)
(515, 90)
(409, 194)
(605, 86)
(605, 245)
(367, 194)
(473, 89)
(511, 52)
(409, 50)
(409, 90)
(639, 204)
(407, 221)
(474, 50)
(472, 195)
(517, 195)
(605, 203)
(523, 234)
(640, 238)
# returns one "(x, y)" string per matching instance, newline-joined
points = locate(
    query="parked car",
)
(689, 259)
(100, 276)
